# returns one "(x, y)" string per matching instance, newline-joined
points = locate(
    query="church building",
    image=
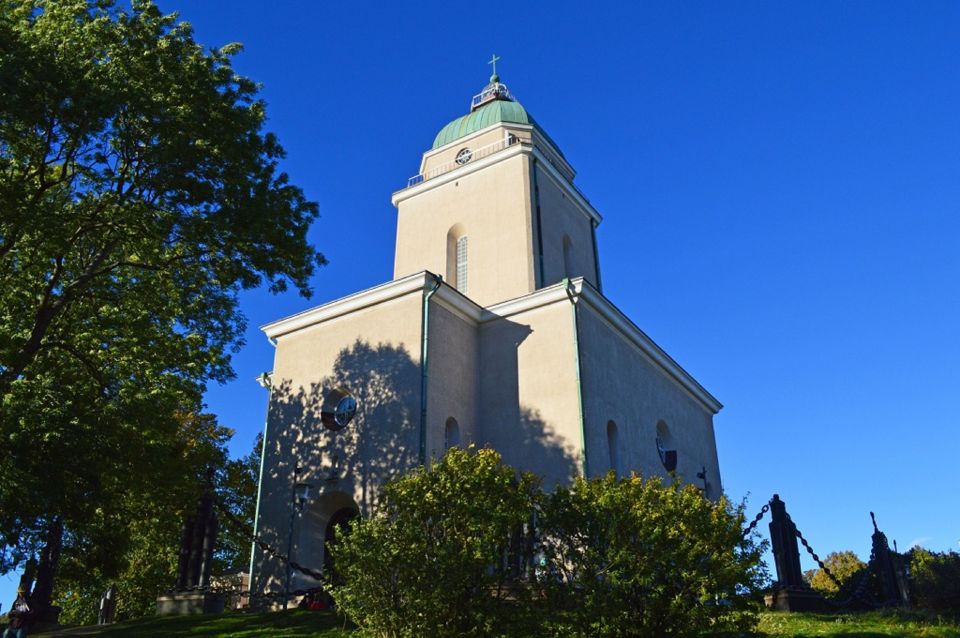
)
(494, 330)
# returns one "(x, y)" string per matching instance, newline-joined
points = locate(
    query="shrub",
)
(428, 563)
(619, 557)
(637, 557)
(935, 579)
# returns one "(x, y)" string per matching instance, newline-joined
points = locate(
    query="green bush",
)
(935, 579)
(616, 557)
(634, 557)
(424, 565)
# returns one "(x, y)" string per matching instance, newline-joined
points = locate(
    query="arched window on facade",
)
(451, 434)
(462, 264)
(613, 447)
(568, 270)
(457, 258)
(666, 448)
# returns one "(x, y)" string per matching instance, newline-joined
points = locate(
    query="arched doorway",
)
(331, 510)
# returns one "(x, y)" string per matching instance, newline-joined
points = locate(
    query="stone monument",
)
(198, 539)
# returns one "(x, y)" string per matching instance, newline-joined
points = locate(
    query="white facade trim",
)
(585, 207)
(580, 290)
(346, 305)
(467, 138)
(460, 305)
(459, 173)
(629, 330)
(576, 291)
(521, 146)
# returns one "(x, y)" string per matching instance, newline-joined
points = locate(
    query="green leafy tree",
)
(138, 195)
(425, 564)
(846, 567)
(138, 553)
(634, 557)
(935, 579)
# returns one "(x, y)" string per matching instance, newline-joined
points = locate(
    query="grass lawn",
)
(901, 624)
(294, 624)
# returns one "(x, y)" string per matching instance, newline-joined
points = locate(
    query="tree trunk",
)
(46, 571)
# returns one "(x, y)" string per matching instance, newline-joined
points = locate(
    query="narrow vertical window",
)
(462, 264)
(568, 270)
(451, 434)
(613, 447)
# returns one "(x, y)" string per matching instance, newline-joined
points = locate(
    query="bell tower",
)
(493, 208)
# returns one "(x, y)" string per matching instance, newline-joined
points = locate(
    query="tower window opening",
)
(613, 447)
(567, 257)
(451, 434)
(462, 264)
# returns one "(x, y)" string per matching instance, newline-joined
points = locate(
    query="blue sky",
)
(779, 183)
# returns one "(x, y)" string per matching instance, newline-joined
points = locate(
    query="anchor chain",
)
(826, 570)
(756, 519)
(268, 549)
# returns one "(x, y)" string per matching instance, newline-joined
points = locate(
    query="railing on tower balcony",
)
(495, 91)
(474, 155)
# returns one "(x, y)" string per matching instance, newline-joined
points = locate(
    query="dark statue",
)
(198, 539)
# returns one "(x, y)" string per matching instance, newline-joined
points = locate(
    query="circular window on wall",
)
(464, 156)
(338, 409)
(666, 448)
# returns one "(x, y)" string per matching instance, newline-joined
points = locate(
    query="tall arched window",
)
(451, 434)
(666, 447)
(613, 447)
(457, 258)
(567, 257)
(462, 264)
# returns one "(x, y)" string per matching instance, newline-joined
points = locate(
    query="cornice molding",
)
(347, 305)
(613, 316)
(520, 147)
(572, 291)
(460, 172)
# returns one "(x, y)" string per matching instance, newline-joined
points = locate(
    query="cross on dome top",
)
(493, 60)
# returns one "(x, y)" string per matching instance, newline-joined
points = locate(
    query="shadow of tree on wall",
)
(536, 440)
(528, 442)
(381, 442)
(350, 467)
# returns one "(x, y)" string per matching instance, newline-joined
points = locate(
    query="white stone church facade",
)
(494, 331)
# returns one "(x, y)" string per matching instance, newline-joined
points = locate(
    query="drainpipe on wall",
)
(536, 207)
(265, 380)
(575, 308)
(596, 255)
(424, 336)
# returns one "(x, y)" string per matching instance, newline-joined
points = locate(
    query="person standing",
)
(20, 614)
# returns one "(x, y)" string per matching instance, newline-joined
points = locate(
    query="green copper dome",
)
(488, 114)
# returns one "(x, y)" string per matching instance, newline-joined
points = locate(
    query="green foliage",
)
(140, 551)
(138, 195)
(846, 566)
(621, 557)
(935, 579)
(423, 566)
(640, 558)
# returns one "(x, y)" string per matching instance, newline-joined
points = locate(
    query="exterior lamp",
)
(302, 492)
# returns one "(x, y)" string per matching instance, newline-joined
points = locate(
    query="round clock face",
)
(345, 411)
(464, 156)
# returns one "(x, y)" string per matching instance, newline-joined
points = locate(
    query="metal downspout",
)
(266, 379)
(596, 255)
(575, 307)
(424, 337)
(536, 207)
